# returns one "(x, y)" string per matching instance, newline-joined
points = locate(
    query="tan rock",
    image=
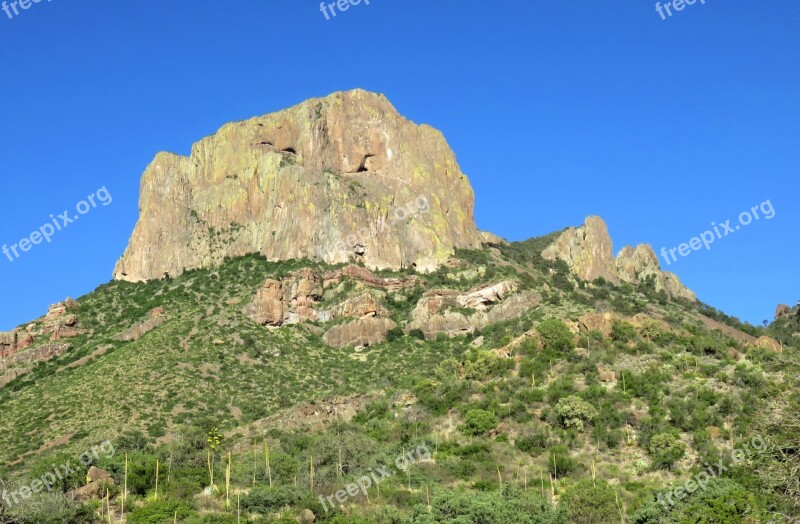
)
(306, 517)
(138, 331)
(601, 322)
(96, 474)
(769, 343)
(360, 332)
(266, 308)
(366, 304)
(486, 296)
(303, 183)
(606, 375)
(587, 250)
(492, 239)
(634, 265)
(782, 311)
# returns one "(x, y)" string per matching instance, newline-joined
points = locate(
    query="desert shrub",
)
(590, 502)
(556, 336)
(158, 512)
(665, 449)
(479, 421)
(622, 331)
(534, 444)
(574, 412)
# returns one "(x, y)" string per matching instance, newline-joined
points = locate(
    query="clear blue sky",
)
(556, 110)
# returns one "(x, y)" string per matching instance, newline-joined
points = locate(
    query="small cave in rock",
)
(266, 144)
(289, 150)
(364, 167)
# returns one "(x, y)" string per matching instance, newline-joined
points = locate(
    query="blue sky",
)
(556, 110)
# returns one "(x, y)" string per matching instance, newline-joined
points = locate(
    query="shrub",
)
(622, 331)
(534, 444)
(479, 421)
(665, 449)
(574, 412)
(556, 336)
(591, 502)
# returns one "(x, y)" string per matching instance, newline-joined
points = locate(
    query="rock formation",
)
(438, 310)
(588, 251)
(782, 311)
(318, 180)
(139, 330)
(360, 332)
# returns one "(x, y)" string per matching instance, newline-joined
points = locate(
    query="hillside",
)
(619, 384)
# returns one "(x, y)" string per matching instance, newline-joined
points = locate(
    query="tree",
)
(556, 336)
(574, 412)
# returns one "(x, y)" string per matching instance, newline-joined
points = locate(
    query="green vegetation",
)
(520, 424)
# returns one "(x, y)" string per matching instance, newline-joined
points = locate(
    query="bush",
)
(533, 444)
(160, 511)
(574, 412)
(556, 336)
(622, 331)
(591, 502)
(665, 449)
(479, 421)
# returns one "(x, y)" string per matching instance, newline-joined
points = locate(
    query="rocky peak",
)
(338, 178)
(588, 251)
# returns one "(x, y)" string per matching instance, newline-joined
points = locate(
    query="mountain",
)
(421, 372)
(335, 179)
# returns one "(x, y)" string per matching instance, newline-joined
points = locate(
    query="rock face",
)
(435, 313)
(769, 343)
(634, 265)
(782, 311)
(360, 332)
(138, 331)
(588, 251)
(304, 182)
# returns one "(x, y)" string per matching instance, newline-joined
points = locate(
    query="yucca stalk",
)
(311, 469)
(266, 459)
(155, 496)
(228, 482)
(124, 490)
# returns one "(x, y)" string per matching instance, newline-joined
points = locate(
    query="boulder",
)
(486, 296)
(769, 343)
(601, 322)
(606, 374)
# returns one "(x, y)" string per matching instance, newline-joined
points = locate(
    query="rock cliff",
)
(340, 178)
(588, 251)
